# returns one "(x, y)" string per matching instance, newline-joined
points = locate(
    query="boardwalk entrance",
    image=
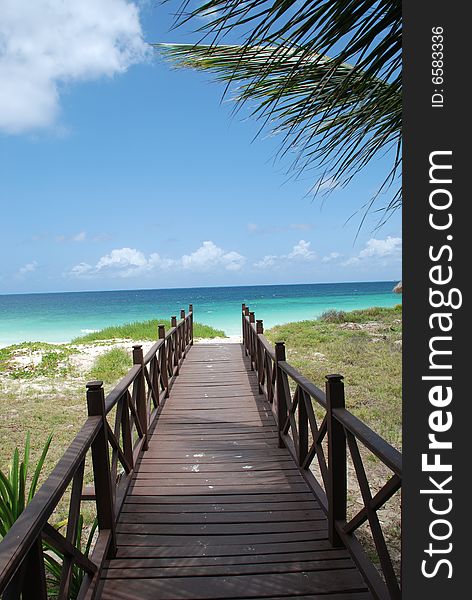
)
(216, 509)
(219, 472)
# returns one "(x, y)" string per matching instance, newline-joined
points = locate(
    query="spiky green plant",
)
(325, 73)
(14, 495)
(54, 559)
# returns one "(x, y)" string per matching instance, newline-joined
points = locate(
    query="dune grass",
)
(111, 366)
(362, 345)
(365, 347)
(143, 330)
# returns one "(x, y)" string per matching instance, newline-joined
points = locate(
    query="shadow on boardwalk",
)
(216, 508)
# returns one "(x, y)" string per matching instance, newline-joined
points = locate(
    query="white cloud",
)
(79, 237)
(325, 184)
(129, 262)
(209, 256)
(300, 252)
(81, 269)
(380, 248)
(268, 261)
(302, 226)
(376, 251)
(47, 43)
(28, 268)
(122, 257)
(332, 256)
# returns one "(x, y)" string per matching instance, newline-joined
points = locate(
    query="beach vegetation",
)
(30, 360)
(111, 366)
(143, 330)
(333, 316)
(365, 347)
(14, 492)
(326, 75)
(54, 558)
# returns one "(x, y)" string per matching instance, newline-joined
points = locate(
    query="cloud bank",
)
(47, 43)
(130, 262)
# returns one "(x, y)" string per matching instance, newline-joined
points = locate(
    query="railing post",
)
(302, 428)
(34, 586)
(190, 311)
(252, 357)
(183, 333)
(163, 363)
(337, 460)
(243, 323)
(245, 311)
(141, 408)
(101, 465)
(176, 344)
(280, 389)
(259, 354)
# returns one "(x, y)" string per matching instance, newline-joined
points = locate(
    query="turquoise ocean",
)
(59, 317)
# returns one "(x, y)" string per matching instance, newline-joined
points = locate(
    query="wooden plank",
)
(209, 490)
(214, 498)
(139, 569)
(252, 586)
(248, 551)
(155, 466)
(291, 516)
(250, 510)
(198, 561)
(216, 509)
(214, 457)
(136, 539)
(220, 529)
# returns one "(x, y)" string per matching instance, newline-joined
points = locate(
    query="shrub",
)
(333, 316)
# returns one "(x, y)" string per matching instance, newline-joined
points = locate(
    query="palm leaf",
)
(13, 497)
(331, 114)
(14, 478)
(39, 466)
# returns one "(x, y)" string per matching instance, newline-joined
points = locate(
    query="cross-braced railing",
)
(37, 561)
(321, 434)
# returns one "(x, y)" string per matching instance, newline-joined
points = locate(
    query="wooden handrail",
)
(389, 455)
(309, 387)
(121, 387)
(25, 531)
(152, 351)
(339, 432)
(138, 399)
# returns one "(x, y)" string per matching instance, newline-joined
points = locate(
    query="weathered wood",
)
(101, 464)
(221, 504)
(139, 384)
(214, 485)
(337, 465)
(255, 586)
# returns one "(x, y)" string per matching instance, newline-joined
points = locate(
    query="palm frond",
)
(331, 114)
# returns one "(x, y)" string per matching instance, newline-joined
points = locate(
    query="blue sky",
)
(118, 172)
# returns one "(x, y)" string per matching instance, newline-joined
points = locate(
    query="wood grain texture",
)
(216, 509)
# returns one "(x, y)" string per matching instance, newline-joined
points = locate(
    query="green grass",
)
(111, 366)
(143, 330)
(361, 345)
(54, 360)
(365, 347)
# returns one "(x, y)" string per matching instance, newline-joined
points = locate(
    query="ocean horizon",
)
(60, 316)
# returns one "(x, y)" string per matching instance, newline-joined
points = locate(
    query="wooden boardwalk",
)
(216, 509)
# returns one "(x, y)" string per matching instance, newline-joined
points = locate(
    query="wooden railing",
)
(328, 440)
(132, 406)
